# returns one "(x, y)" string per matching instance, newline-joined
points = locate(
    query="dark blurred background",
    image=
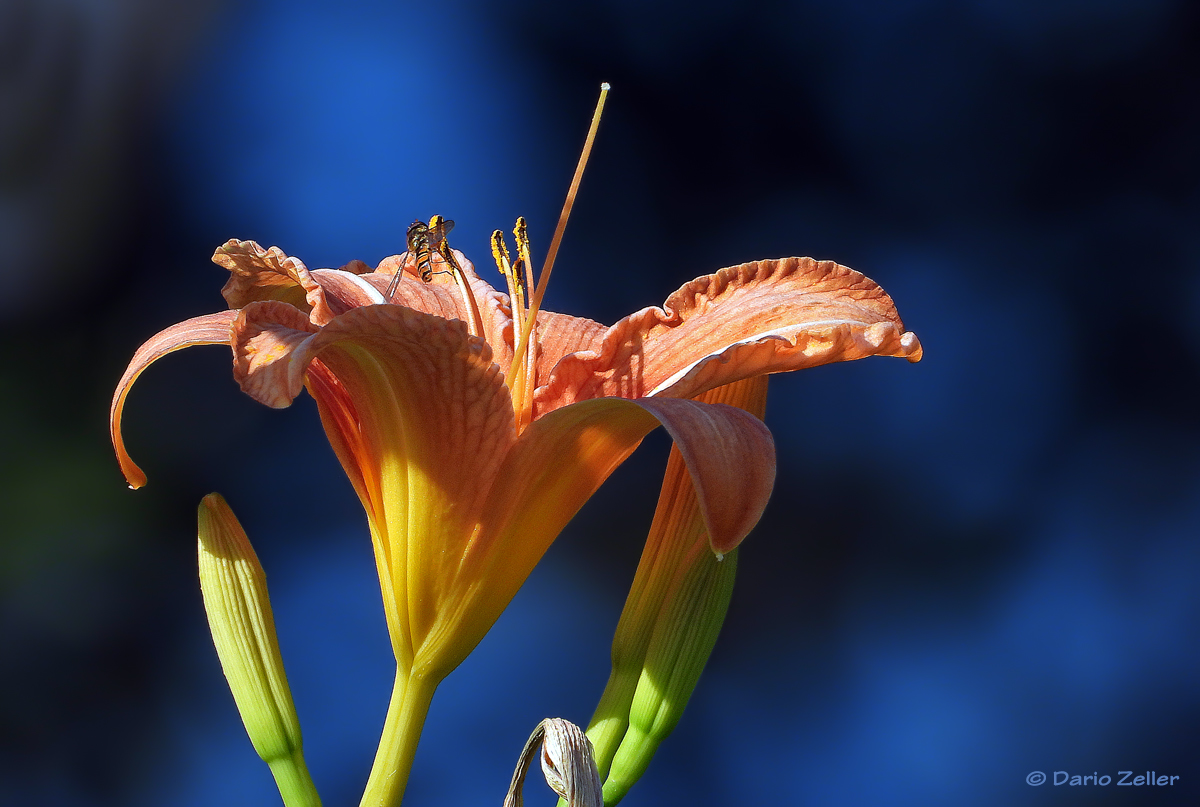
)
(973, 568)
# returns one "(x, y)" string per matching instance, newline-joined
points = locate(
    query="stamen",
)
(535, 303)
(504, 264)
(475, 323)
(516, 296)
(524, 265)
(524, 372)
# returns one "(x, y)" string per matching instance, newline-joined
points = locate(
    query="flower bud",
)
(243, 629)
(682, 641)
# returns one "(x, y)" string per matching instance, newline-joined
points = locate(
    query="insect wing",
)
(437, 233)
(424, 239)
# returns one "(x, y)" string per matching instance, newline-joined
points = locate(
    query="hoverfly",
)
(423, 240)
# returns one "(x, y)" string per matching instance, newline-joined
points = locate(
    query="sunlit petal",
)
(211, 329)
(760, 317)
(417, 412)
(441, 297)
(560, 461)
(267, 362)
(264, 274)
(561, 335)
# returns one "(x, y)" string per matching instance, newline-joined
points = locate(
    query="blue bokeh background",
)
(973, 568)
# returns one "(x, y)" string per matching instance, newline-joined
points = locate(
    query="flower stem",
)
(295, 785)
(401, 731)
(611, 719)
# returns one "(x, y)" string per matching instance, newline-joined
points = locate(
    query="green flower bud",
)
(243, 629)
(683, 639)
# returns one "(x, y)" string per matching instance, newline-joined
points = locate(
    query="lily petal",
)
(266, 338)
(437, 297)
(258, 274)
(561, 335)
(560, 461)
(263, 274)
(760, 317)
(441, 297)
(418, 415)
(392, 361)
(730, 455)
(211, 329)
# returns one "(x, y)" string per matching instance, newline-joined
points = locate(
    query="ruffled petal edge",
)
(805, 312)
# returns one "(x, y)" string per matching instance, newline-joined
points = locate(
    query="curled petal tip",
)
(912, 347)
(730, 455)
(206, 330)
(135, 477)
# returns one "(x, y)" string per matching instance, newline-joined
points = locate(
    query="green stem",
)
(401, 731)
(295, 785)
(611, 719)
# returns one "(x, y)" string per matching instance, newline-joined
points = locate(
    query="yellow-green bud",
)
(682, 641)
(243, 629)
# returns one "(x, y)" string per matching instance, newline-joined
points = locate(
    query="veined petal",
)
(561, 335)
(361, 458)
(441, 297)
(560, 461)
(382, 362)
(731, 457)
(344, 290)
(258, 274)
(418, 414)
(211, 329)
(262, 274)
(759, 317)
(268, 362)
(423, 375)
(438, 297)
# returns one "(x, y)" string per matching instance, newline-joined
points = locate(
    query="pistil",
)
(521, 376)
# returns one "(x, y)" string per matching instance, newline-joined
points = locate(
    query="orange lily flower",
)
(470, 454)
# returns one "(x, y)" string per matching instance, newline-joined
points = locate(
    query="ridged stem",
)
(294, 782)
(401, 731)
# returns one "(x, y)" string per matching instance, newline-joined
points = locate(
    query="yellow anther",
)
(500, 254)
(516, 293)
(524, 267)
(521, 233)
